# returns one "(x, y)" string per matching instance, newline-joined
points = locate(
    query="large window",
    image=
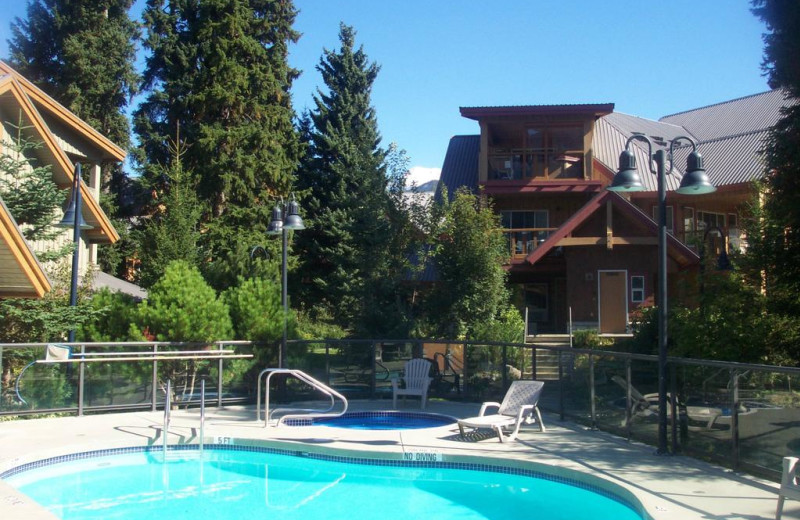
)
(670, 218)
(706, 221)
(540, 152)
(527, 230)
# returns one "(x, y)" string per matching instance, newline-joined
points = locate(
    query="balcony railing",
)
(523, 241)
(535, 163)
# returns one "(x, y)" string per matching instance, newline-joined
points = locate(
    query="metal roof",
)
(729, 135)
(737, 116)
(460, 166)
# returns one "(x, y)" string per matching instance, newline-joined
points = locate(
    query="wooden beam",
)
(596, 241)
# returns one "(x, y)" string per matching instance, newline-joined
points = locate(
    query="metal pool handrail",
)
(308, 413)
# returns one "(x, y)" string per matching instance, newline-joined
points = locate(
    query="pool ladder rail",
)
(168, 417)
(298, 413)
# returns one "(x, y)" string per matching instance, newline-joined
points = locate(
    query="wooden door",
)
(613, 302)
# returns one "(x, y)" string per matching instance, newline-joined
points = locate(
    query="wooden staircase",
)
(547, 359)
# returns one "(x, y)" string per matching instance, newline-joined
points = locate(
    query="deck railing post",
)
(734, 382)
(673, 403)
(81, 382)
(154, 380)
(628, 398)
(219, 376)
(560, 385)
(373, 362)
(504, 368)
(592, 410)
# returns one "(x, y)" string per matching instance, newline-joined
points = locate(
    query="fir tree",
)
(774, 237)
(348, 239)
(28, 190)
(82, 54)
(219, 70)
(172, 232)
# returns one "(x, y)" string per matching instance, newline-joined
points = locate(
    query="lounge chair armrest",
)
(523, 410)
(486, 405)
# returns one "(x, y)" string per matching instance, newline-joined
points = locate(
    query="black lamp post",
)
(280, 226)
(694, 182)
(73, 218)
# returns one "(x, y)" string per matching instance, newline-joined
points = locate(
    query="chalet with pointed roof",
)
(579, 250)
(66, 140)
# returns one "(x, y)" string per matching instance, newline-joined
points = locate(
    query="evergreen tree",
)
(774, 237)
(345, 246)
(172, 232)
(218, 69)
(468, 250)
(28, 190)
(82, 54)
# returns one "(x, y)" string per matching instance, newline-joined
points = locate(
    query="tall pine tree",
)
(774, 238)
(82, 54)
(218, 69)
(344, 175)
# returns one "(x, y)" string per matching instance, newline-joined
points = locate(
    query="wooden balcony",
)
(522, 241)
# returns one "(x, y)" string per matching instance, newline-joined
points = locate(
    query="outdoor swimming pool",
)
(249, 483)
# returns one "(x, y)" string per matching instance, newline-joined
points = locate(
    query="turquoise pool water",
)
(379, 420)
(234, 485)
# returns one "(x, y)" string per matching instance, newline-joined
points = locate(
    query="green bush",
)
(115, 312)
(181, 306)
(590, 339)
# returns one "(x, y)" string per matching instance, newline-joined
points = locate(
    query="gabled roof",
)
(47, 104)
(14, 96)
(675, 248)
(21, 275)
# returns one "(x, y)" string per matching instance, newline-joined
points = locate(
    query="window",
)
(734, 235)
(637, 289)
(530, 229)
(706, 221)
(670, 218)
(688, 220)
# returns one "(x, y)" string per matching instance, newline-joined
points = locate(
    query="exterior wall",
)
(88, 252)
(583, 263)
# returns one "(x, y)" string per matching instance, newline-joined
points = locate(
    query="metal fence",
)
(743, 416)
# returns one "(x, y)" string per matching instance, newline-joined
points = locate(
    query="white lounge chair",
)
(790, 485)
(417, 379)
(519, 405)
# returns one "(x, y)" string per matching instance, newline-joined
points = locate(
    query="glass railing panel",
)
(610, 396)
(704, 410)
(769, 418)
(575, 374)
(41, 387)
(117, 383)
(351, 368)
(484, 373)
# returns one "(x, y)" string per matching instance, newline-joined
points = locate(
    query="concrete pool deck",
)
(669, 487)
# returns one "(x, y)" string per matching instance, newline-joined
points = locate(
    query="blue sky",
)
(649, 58)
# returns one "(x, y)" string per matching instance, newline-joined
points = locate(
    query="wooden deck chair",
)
(417, 381)
(790, 486)
(519, 405)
